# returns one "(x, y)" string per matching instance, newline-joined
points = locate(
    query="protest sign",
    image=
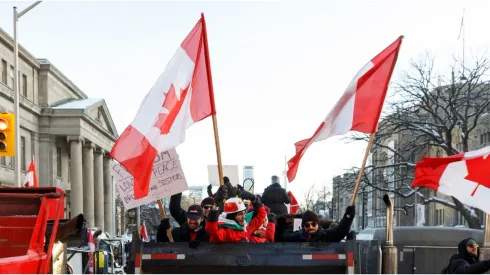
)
(167, 179)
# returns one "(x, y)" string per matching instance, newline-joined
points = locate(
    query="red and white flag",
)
(463, 176)
(293, 207)
(143, 232)
(31, 175)
(359, 107)
(181, 96)
(91, 246)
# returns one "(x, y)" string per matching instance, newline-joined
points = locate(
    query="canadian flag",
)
(181, 96)
(293, 207)
(91, 246)
(463, 176)
(31, 175)
(359, 107)
(143, 232)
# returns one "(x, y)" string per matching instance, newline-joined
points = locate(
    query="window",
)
(11, 162)
(58, 161)
(24, 85)
(12, 76)
(23, 153)
(4, 72)
(440, 216)
(69, 166)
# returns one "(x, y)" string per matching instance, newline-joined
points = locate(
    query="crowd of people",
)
(233, 214)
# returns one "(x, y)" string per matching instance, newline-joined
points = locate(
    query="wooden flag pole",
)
(164, 216)
(211, 97)
(361, 172)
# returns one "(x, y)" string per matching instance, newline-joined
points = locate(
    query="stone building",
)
(67, 133)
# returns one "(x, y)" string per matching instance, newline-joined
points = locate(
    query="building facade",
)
(67, 133)
(248, 178)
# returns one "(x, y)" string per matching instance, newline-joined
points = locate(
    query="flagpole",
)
(361, 172)
(211, 96)
(164, 216)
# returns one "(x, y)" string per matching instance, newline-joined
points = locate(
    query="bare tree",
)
(429, 113)
(310, 197)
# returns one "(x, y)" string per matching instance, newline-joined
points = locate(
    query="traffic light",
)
(7, 134)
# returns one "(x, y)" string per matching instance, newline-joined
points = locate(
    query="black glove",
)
(350, 212)
(213, 216)
(256, 205)
(247, 196)
(194, 243)
(165, 224)
(271, 217)
(221, 195)
(240, 188)
(210, 190)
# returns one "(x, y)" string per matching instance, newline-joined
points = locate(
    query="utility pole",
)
(17, 158)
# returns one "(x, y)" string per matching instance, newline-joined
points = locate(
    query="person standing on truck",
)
(180, 215)
(467, 260)
(275, 197)
(191, 231)
(234, 227)
(312, 232)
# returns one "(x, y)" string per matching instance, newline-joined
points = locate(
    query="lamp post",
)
(18, 15)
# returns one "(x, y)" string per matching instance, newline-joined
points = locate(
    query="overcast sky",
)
(278, 67)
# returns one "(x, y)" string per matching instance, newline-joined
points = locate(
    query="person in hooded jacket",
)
(275, 197)
(467, 260)
(312, 232)
(191, 231)
(234, 227)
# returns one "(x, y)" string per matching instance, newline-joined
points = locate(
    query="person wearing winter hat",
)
(206, 205)
(234, 225)
(311, 231)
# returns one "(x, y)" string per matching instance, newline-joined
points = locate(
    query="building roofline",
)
(46, 64)
(23, 53)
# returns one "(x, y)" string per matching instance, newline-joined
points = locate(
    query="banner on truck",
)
(167, 179)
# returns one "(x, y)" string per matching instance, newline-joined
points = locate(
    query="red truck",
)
(31, 222)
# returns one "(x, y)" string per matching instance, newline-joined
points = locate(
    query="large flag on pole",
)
(31, 175)
(463, 176)
(180, 97)
(359, 107)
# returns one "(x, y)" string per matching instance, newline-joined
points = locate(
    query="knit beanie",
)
(207, 201)
(309, 216)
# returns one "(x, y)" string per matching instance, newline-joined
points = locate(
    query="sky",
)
(278, 66)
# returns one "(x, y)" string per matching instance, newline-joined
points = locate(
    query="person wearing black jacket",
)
(467, 260)
(191, 231)
(180, 215)
(312, 232)
(275, 197)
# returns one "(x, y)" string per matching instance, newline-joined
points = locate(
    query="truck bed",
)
(229, 258)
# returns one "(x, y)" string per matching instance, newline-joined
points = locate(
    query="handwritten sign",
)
(167, 179)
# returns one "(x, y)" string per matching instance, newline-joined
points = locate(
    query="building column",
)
(88, 184)
(99, 189)
(76, 187)
(108, 197)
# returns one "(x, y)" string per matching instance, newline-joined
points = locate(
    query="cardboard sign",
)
(167, 179)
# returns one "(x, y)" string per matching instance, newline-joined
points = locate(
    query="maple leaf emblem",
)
(172, 105)
(478, 171)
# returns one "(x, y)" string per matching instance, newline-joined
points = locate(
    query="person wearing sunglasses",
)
(311, 231)
(467, 260)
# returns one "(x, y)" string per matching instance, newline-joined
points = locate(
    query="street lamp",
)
(18, 15)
